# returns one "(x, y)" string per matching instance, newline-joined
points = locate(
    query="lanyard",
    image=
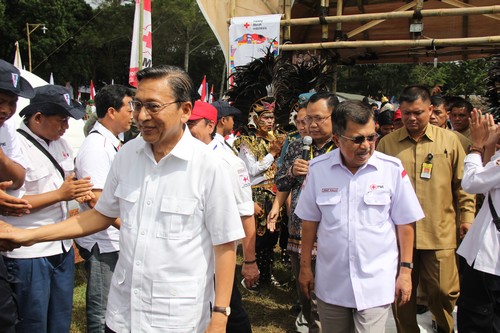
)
(327, 150)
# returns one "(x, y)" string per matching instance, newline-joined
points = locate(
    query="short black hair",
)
(331, 99)
(111, 96)
(411, 93)
(355, 111)
(438, 100)
(462, 103)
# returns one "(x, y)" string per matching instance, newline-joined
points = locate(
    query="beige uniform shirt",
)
(437, 230)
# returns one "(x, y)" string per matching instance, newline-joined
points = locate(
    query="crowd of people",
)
(368, 204)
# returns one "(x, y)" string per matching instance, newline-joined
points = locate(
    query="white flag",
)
(142, 40)
(17, 58)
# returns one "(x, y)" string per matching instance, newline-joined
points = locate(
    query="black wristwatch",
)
(225, 310)
(406, 264)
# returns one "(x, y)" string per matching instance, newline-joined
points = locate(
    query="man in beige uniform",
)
(433, 158)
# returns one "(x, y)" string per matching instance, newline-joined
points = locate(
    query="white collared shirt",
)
(11, 147)
(42, 176)
(94, 159)
(256, 168)
(224, 145)
(357, 256)
(240, 179)
(173, 212)
(481, 244)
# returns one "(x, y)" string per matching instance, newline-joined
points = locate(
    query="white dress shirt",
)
(94, 159)
(481, 245)
(256, 168)
(357, 256)
(42, 176)
(9, 143)
(173, 212)
(240, 179)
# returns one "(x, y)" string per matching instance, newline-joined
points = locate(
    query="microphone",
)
(306, 148)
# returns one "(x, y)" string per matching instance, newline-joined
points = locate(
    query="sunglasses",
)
(360, 139)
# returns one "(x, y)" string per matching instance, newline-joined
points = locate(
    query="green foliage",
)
(459, 78)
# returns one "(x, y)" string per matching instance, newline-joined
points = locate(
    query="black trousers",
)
(8, 305)
(238, 321)
(479, 302)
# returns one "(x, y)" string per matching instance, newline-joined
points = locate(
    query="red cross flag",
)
(142, 40)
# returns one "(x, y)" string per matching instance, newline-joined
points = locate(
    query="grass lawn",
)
(269, 310)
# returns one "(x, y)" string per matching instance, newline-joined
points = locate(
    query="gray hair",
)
(179, 81)
(355, 111)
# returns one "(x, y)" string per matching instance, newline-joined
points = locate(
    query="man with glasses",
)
(433, 158)
(290, 177)
(179, 222)
(361, 207)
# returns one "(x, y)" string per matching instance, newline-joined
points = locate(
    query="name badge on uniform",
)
(427, 167)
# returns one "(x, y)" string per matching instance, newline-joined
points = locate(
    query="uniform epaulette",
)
(319, 159)
(389, 158)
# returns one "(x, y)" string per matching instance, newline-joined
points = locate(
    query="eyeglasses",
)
(151, 107)
(360, 139)
(316, 119)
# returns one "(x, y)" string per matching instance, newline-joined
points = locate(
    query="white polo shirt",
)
(11, 147)
(94, 159)
(481, 244)
(42, 176)
(10, 143)
(240, 180)
(173, 212)
(357, 257)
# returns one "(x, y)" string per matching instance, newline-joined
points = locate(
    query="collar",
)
(336, 159)
(37, 138)
(214, 143)
(106, 133)
(430, 133)
(182, 150)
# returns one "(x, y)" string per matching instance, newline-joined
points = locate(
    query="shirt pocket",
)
(330, 206)
(377, 204)
(177, 218)
(174, 304)
(37, 174)
(127, 199)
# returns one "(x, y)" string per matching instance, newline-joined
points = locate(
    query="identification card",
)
(426, 170)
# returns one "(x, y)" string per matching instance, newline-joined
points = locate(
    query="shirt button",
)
(148, 202)
(137, 263)
(136, 292)
(352, 258)
(143, 232)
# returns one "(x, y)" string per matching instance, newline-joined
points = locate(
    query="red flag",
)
(142, 40)
(202, 91)
(92, 90)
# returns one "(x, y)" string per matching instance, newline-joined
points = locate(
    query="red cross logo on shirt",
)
(246, 25)
(245, 179)
(373, 187)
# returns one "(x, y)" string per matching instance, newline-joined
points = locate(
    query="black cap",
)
(53, 99)
(385, 118)
(11, 81)
(225, 109)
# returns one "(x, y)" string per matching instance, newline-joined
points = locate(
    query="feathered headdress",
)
(251, 90)
(292, 79)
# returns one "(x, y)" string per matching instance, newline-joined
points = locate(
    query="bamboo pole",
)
(389, 43)
(374, 23)
(461, 4)
(394, 15)
(325, 5)
(288, 15)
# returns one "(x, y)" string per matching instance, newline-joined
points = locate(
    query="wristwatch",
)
(406, 264)
(225, 310)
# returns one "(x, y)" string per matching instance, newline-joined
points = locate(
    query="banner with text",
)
(250, 36)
